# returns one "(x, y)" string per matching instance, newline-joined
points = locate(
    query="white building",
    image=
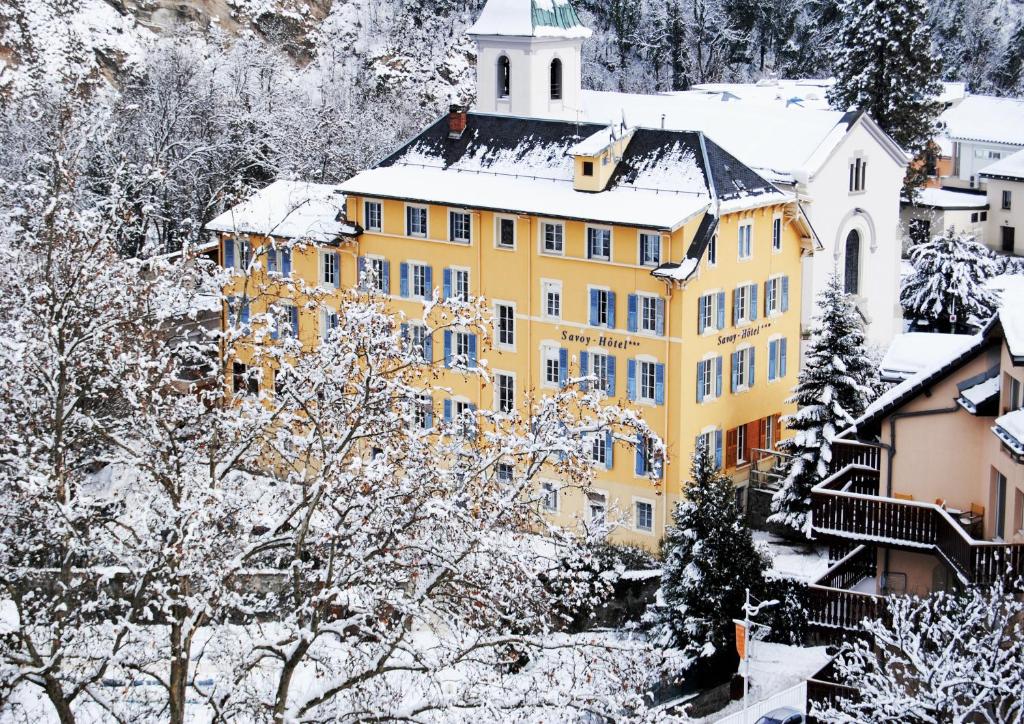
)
(1004, 184)
(980, 131)
(846, 172)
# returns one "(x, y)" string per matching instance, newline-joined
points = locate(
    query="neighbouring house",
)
(938, 210)
(980, 130)
(1004, 184)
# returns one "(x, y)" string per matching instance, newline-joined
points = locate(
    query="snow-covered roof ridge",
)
(945, 198)
(1011, 167)
(912, 352)
(986, 118)
(530, 18)
(289, 210)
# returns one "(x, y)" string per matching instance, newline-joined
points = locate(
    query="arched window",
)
(556, 80)
(504, 77)
(852, 268)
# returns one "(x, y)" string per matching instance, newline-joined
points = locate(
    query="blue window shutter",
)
(736, 307)
(429, 414)
(447, 348)
(659, 320)
(404, 327)
(631, 305)
(767, 311)
(275, 333)
(245, 311)
(639, 462)
(772, 349)
(609, 449)
(448, 411)
(611, 310)
(593, 307)
(584, 368)
(271, 259)
(659, 384)
(229, 253)
(631, 379)
(403, 279)
(286, 263)
(563, 366)
(446, 290)
(700, 381)
(785, 294)
(700, 315)
(718, 376)
(408, 220)
(750, 367)
(428, 347)
(610, 391)
(428, 280)
(361, 265)
(385, 282)
(337, 270)
(246, 253)
(472, 351)
(721, 310)
(735, 373)
(782, 357)
(293, 317)
(718, 449)
(752, 302)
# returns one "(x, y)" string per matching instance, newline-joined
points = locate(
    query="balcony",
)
(847, 506)
(833, 604)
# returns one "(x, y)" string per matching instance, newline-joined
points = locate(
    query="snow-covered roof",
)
(594, 143)
(973, 397)
(912, 352)
(1011, 310)
(950, 199)
(806, 93)
(1011, 167)
(1010, 429)
(986, 118)
(525, 165)
(290, 210)
(530, 18)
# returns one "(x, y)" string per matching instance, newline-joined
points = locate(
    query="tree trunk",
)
(178, 680)
(56, 695)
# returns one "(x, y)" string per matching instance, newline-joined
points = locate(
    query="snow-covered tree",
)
(948, 285)
(884, 65)
(835, 385)
(952, 657)
(710, 560)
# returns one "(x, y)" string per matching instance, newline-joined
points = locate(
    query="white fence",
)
(795, 697)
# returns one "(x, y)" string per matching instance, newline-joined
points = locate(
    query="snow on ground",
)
(796, 561)
(775, 668)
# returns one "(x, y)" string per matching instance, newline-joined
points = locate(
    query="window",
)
(588, 168)
(650, 249)
(459, 349)
(373, 216)
(713, 250)
(1000, 497)
(652, 315)
(554, 363)
(599, 244)
(851, 263)
(244, 382)
(551, 299)
(279, 261)
(459, 225)
(504, 392)
(644, 515)
(423, 411)
(554, 237)
(920, 230)
(744, 304)
(328, 321)
(645, 381)
(506, 233)
(237, 254)
(286, 322)
(505, 319)
(742, 370)
(504, 77)
(776, 296)
(375, 274)
(858, 175)
(556, 80)
(711, 312)
(455, 283)
(1014, 399)
(645, 461)
(601, 366)
(776, 359)
(329, 269)
(550, 493)
(709, 379)
(416, 281)
(974, 218)
(741, 445)
(462, 344)
(745, 247)
(777, 234)
(711, 441)
(602, 308)
(984, 216)
(768, 434)
(504, 472)
(238, 311)
(462, 412)
(596, 507)
(420, 342)
(416, 221)
(1007, 200)
(599, 449)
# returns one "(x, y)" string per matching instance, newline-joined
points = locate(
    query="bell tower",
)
(529, 58)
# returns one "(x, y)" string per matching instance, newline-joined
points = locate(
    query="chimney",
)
(457, 120)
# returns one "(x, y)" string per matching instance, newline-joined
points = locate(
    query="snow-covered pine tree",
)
(835, 386)
(948, 287)
(1008, 73)
(710, 561)
(947, 658)
(884, 66)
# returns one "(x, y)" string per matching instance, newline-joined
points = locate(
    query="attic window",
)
(588, 168)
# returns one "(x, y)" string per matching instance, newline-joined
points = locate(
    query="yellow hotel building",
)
(651, 259)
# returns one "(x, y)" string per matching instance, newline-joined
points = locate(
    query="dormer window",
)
(504, 77)
(588, 168)
(556, 80)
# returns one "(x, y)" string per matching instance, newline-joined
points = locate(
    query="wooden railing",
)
(851, 569)
(824, 692)
(829, 602)
(853, 452)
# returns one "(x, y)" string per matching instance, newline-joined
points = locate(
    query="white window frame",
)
(598, 452)
(777, 360)
(547, 286)
(604, 355)
(710, 320)
(413, 266)
(550, 352)
(376, 259)
(653, 299)
(498, 218)
(498, 343)
(713, 250)
(469, 217)
(458, 272)
(741, 445)
(744, 295)
(551, 496)
(858, 172)
(773, 291)
(601, 229)
(769, 432)
(603, 494)
(417, 329)
(426, 221)
(744, 353)
(608, 302)
(460, 344)
(326, 313)
(333, 257)
(745, 242)
(424, 401)
(709, 377)
(707, 435)
(642, 362)
(640, 248)
(497, 389)
(542, 227)
(366, 215)
(637, 502)
(777, 238)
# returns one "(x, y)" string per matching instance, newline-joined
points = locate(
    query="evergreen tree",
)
(710, 561)
(834, 388)
(884, 66)
(947, 287)
(1008, 75)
